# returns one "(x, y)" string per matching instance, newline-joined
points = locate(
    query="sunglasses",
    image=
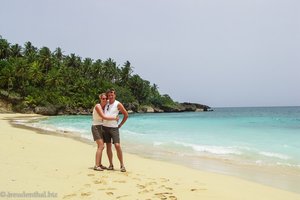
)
(103, 98)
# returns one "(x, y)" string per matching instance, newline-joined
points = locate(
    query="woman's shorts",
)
(97, 132)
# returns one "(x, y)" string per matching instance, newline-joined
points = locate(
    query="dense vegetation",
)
(31, 77)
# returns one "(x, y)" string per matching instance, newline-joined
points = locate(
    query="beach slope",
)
(38, 164)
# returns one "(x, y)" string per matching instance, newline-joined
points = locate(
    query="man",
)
(111, 128)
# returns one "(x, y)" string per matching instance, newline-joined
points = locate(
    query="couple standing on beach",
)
(105, 128)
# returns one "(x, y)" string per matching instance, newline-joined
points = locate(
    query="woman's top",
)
(97, 119)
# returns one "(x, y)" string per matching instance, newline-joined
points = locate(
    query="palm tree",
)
(45, 59)
(111, 71)
(54, 79)
(73, 61)
(86, 67)
(16, 50)
(140, 88)
(57, 58)
(30, 52)
(7, 75)
(126, 72)
(4, 49)
(35, 75)
(97, 68)
(58, 54)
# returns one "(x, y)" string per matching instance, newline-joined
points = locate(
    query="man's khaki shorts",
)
(111, 134)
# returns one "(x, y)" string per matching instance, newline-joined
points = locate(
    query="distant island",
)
(37, 80)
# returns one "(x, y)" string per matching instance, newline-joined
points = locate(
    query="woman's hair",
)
(102, 94)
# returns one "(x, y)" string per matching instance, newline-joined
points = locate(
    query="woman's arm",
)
(100, 112)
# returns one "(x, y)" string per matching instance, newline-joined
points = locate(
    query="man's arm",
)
(125, 114)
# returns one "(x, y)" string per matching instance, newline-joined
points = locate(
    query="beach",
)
(44, 166)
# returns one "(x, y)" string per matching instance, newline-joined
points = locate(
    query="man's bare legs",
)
(119, 153)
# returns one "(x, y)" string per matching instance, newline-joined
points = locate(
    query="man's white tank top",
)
(97, 119)
(111, 110)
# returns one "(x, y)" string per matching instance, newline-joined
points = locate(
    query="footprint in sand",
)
(120, 181)
(85, 194)
(119, 197)
(126, 173)
(109, 193)
(100, 182)
(161, 196)
(138, 179)
(164, 179)
(165, 195)
(91, 175)
(107, 189)
(198, 189)
(168, 188)
(144, 191)
(151, 183)
(111, 188)
(68, 196)
(140, 186)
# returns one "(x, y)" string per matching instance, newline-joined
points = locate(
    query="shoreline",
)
(62, 166)
(277, 177)
(285, 178)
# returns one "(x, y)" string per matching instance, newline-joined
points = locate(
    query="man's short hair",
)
(111, 90)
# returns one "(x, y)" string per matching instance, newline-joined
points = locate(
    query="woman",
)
(98, 117)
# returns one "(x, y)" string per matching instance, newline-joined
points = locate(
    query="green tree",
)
(35, 75)
(44, 58)
(4, 48)
(125, 73)
(7, 75)
(30, 52)
(110, 70)
(140, 88)
(39, 77)
(16, 50)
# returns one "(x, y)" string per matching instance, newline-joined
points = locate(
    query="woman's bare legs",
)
(100, 147)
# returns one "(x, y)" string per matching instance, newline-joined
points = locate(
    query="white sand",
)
(61, 167)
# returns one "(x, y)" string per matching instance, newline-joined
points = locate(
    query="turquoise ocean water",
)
(259, 144)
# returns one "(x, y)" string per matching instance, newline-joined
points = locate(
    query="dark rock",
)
(195, 106)
(131, 106)
(172, 108)
(146, 109)
(157, 110)
(43, 110)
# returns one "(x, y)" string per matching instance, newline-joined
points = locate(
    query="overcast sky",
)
(215, 52)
